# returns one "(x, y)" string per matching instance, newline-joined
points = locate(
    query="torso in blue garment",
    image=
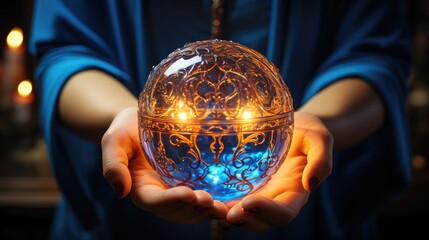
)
(313, 43)
(164, 26)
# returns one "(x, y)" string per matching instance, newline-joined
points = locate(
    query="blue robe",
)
(313, 43)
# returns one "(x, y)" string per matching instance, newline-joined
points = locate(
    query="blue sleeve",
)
(370, 41)
(69, 37)
(66, 40)
(315, 44)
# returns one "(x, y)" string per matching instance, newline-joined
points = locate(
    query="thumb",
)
(319, 161)
(117, 148)
(317, 144)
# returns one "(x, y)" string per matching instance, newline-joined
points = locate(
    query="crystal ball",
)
(217, 116)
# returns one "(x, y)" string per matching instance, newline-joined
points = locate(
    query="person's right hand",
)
(126, 169)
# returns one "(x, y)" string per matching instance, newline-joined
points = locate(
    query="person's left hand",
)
(308, 163)
(127, 170)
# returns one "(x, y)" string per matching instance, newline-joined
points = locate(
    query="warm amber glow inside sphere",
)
(216, 116)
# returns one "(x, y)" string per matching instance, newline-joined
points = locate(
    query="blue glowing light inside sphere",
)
(216, 116)
(232, 175)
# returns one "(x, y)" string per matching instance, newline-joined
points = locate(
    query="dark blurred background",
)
(28, 192)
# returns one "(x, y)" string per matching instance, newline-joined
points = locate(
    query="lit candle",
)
(14, 39)
(14, 67)
(22, 102)
(22, 117)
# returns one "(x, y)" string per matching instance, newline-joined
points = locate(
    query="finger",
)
(319, 158)
(232, 203)
(159, 200)
(239, 218)
(203, 199)
(120, 146)
(266, 203)
(198, 214)
(279, 211)
(202, 209)
(115, 166)
(259, 213)
(179, 204)
(220, 210)
(197, 211)
(312, 139)
(150, 193)
(275, 204)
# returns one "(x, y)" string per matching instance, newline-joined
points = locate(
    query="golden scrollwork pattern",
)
(216, 115)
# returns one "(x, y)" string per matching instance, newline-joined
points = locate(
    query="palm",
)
(281, 199)
(124, 165)
(275, 204)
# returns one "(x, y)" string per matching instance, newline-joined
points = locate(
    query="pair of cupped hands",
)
(308, 163)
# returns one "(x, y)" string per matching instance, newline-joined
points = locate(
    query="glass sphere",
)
(215, 116)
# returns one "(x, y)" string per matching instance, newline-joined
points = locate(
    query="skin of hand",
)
(126, 168)
(92, 102)
(276, 204)
(337, 108)
(341, 112)
(308, 163)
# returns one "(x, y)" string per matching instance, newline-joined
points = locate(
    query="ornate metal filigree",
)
(217, 116)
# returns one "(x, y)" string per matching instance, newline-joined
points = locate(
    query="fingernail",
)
(119, 190)
(314, 182)
(254, 210)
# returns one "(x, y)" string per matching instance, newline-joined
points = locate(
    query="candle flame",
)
(25, 88)
(15, 38)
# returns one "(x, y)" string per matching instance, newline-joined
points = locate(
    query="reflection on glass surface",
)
(216, 116)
